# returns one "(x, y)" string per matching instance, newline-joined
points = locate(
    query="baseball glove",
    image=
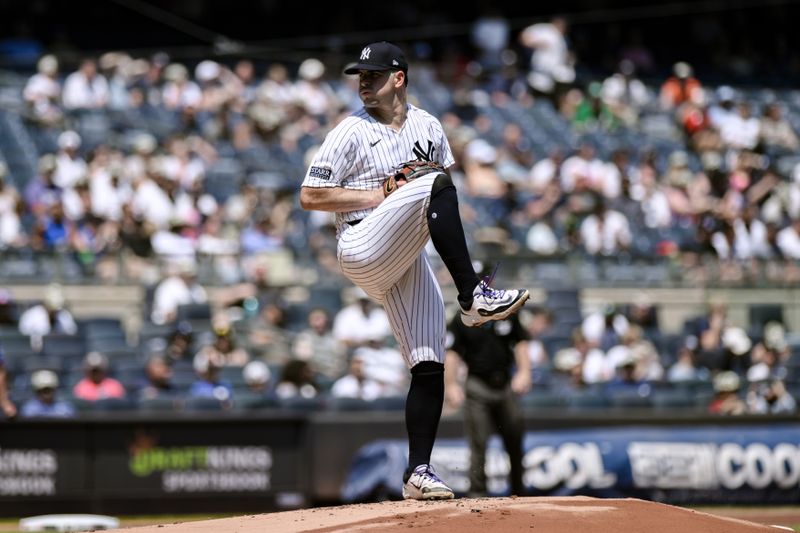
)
(409, 171)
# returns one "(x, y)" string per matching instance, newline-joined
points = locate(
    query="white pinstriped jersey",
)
(360, 152)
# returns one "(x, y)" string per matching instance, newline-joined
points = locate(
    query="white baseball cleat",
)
(424, 484)
(492, 304)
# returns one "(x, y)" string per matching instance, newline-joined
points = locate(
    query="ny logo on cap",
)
(365, 53)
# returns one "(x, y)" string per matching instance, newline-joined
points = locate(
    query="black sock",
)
(447, 234)
(423, 411)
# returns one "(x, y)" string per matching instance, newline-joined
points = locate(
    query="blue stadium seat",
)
(63, 345)
(590, 399)
(100, 327)
(761, 314)
(629, 399)
(299, 403)
(348, 404)
(673, 400)
(542, 399)
(160, 403)
(389, 403)
(247, 401)
(193, 312)
(113, 405)
(193, 403)
(106, 344)
(233, 375)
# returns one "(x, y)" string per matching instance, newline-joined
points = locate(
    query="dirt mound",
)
(482, 515)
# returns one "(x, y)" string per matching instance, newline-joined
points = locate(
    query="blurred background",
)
(635, 165)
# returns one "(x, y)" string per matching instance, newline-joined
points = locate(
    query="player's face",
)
(375, 86)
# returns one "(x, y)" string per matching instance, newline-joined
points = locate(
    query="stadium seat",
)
(182, 378)
(233, 375)
(673, 401)
(541, 399)
(389, 403)
(553, 343)
(101, 327)
(248, 401)
(160, 404)
(113, 405)
(20, 343)
(348, 404)
(563, 298)
(587, 400)
(760, 314)
(10, 331)
(629, 399)
(63, 345)
(38, 362)
(149, 331)
(193, 312)
(109, 344)
(193, 403)
(300, 403)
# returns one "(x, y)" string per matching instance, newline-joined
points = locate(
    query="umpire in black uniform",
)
(498, 370)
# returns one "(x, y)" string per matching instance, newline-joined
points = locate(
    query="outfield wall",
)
(274, 460)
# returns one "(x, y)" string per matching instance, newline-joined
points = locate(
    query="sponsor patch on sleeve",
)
(319, 172)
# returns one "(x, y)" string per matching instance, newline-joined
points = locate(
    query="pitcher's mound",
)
(482, 515)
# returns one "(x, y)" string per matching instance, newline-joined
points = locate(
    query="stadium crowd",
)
(148, 167)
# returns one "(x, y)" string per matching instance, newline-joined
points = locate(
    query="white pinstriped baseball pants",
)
(385, 255)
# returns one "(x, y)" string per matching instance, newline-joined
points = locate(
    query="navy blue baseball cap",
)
(382, 55)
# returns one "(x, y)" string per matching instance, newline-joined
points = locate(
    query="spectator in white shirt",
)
(312, 91)
(552, 62)
(159, 200)
(624, 93)
(776, 132)
(584, 171)
(359, 322)
(70, 166)
(788, 240)
(42, 92)
(107, 192)
(384, 364)
(355, 384)
(595, 366)
(183, 166)
(276, 89)
(740, 131)
(652, 199)
(605, 327)
(750, 235)
(724, 108)
(85, 88)
(11, 232)
(180, 287)
(180, 92)
(51, 316)
(546, 171)
(606, 231)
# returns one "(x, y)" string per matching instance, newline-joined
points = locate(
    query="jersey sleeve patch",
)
(319, 172)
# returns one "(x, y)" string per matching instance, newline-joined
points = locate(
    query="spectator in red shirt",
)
(681, 87)
(97, 385)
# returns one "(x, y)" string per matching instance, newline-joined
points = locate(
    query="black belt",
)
(353, 222)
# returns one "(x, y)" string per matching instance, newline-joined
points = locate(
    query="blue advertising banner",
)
(678, 464)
